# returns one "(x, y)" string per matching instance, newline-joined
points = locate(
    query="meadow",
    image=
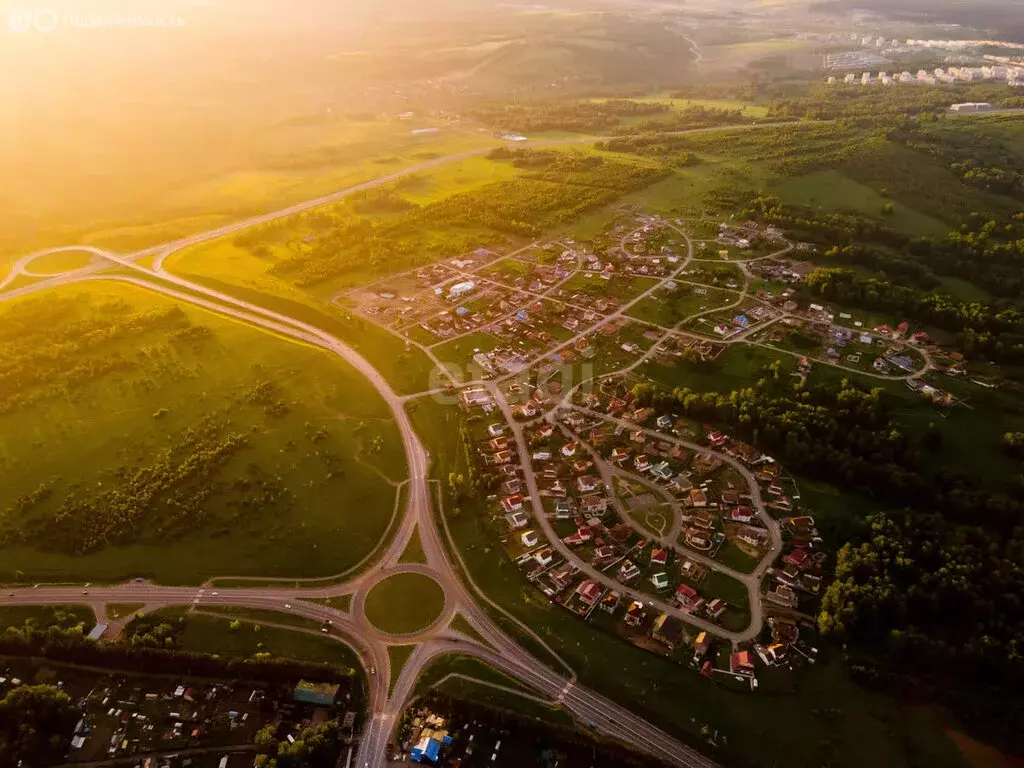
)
(143, 438)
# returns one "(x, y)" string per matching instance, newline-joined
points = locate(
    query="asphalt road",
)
(369, 642)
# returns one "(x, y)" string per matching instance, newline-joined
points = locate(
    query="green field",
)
(404, 603)
(212, 634)
(56, 263)
(667, 308)
(406, 368)
(223, 449)
(414, 550)
(832, 191)
(737, 367)
(397, 656)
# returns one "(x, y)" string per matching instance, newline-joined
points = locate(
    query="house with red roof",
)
(589, 592)
(659, 556)
(742, 515)
(798, 558)
(512, 503)
(741, 663)
(686, 596)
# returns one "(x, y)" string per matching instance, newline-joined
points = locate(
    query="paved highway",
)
(370, 643)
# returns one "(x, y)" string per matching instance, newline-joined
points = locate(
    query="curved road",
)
(607, 717)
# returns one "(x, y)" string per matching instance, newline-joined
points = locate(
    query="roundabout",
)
(404, 604)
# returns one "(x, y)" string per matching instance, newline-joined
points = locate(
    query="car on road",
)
(373, 670)
(214, 594)
(287, 605)
(85, 591)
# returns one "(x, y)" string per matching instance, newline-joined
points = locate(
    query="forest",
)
(578, 116)
(928, 597)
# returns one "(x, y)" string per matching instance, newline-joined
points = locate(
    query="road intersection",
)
(385, 705)
(386, 701)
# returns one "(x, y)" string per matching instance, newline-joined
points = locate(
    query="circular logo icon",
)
(46, 20)
(20, 20)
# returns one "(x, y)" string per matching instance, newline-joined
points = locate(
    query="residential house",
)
(582, 535)
(696, 499)
(664, 421)
(594, 504)
(742, 515)
(563, 510)
(569, 450)
(496, 430)
(716, 607)
(603, 553)
(640, 415)
(783, 596)
(700, 646)
(638, 436)
(659, 556)
(686, 596)
(562, 575)
(660, 580)
(628, 571)
(610, 602)
(635, 614)
(541, 456)
(544, 557)
(668, 630)
(642, 463)
(546, 431)
(588, 483)
(499, 443)
(475, 397)
(512, 503)
(730, 497)
(681, 483)
(616, 406)
(557, 490)
(529, 539)
(798, 558)
(619, 455)
(518, 520)
(741, 663)
(581, 466)
(662, 471)
(512, 487)
(717, 439)
(589, 592)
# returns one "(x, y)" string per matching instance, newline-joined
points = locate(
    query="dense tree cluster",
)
(69, 646)
(666, 147)
(36, 725)
(835, 102)
(688, 118)
(941, 604)
(318, 747)
(579, 116)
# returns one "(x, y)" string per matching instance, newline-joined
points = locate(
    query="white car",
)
(287, 605)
